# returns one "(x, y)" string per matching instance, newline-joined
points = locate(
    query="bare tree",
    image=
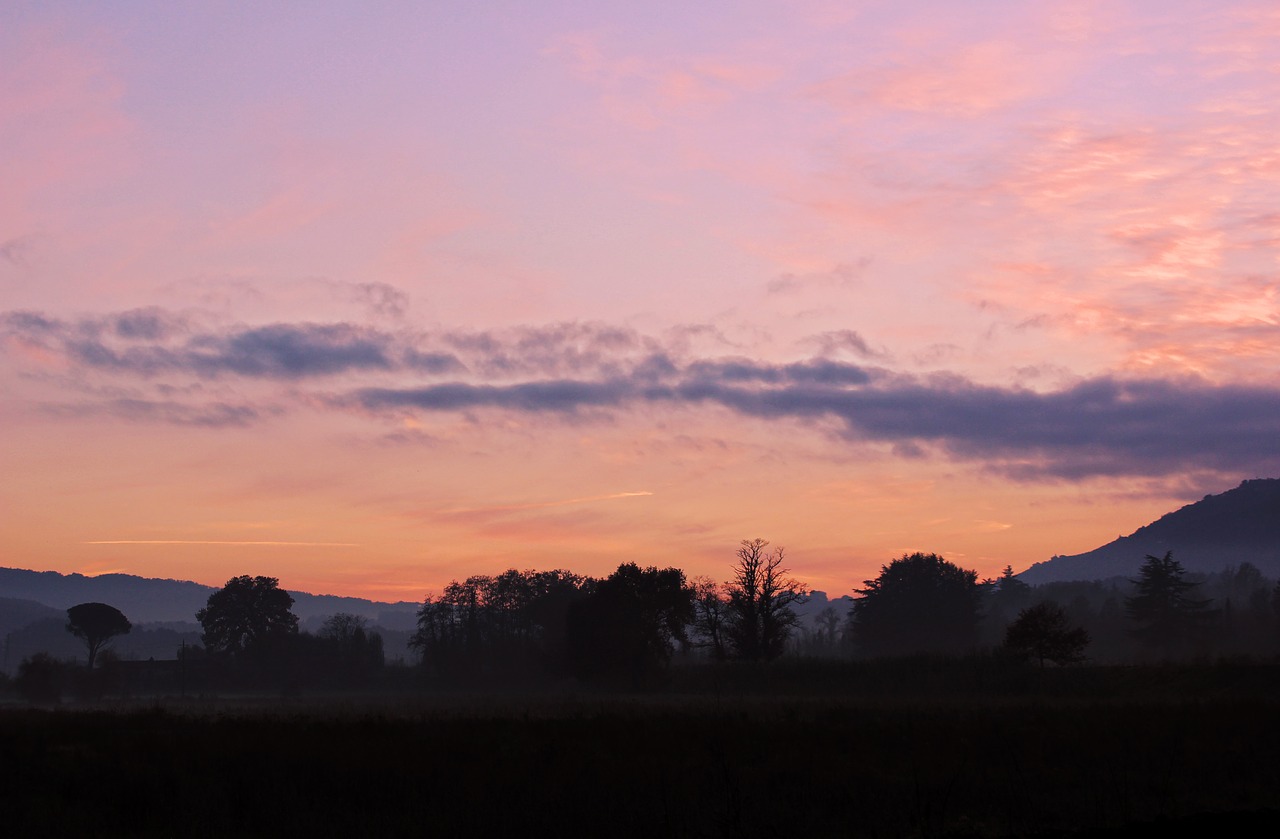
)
(711, 616)
(343, 626)
(760, 617)
(828, 621)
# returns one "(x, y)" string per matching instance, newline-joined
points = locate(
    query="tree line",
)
(637, 620)
(627, 628)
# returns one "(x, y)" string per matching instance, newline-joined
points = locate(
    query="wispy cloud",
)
(538, 505)
(169, 411)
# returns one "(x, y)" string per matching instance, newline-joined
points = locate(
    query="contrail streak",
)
(220, 542)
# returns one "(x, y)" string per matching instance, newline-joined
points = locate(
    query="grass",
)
(898, 749)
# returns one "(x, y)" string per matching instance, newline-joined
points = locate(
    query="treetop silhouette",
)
(247, 615)
(1167, 615)
(919, 603)
(1042, 632)
(96, 624)
(759, 614)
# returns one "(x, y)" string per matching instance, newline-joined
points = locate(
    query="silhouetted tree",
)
(760, 617)
(247, 615)
(509, 622)
(1240, 582)
(1168, 617)
(1003, 598)
(96, 624)
(1009, 588)
(631, 622)
(818, 635)
(919, 603)
(356, 650)
(710, 616)
(828, 621)
(343, 627)
(1243, 623)
(1043, 632)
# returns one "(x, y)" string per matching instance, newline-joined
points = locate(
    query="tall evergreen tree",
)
(1167, 615)
(1009, 586)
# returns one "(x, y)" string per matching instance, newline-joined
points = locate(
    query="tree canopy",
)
(96, 624)
(248, 614)
(514, 621)
(919, 603)
(631, 622)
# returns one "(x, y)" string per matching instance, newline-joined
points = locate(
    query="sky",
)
(369, 297)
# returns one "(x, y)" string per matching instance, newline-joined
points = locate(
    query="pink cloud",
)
(971, 81)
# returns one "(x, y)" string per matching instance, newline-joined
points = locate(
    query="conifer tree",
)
(1167, 615)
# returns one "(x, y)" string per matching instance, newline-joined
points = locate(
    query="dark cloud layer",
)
(1102, 426)
(146, 324)
(1098, 427)
(289, 351)
(151, 342)
(561, 396)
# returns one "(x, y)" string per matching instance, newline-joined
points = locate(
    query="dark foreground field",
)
(656, 765)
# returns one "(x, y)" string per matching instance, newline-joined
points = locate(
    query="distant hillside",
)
(1240, 525)
(16, 613)
(145, 599)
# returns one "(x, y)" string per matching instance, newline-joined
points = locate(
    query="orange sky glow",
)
(372, 299)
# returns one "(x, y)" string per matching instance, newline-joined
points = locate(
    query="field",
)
(1090, 752)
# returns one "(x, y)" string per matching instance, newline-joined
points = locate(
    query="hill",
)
(1240, 525)
(16, 613)
(146, 599)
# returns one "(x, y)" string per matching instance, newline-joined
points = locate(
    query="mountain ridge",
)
(1239, 525)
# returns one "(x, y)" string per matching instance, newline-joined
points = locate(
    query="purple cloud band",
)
(1100, 426)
